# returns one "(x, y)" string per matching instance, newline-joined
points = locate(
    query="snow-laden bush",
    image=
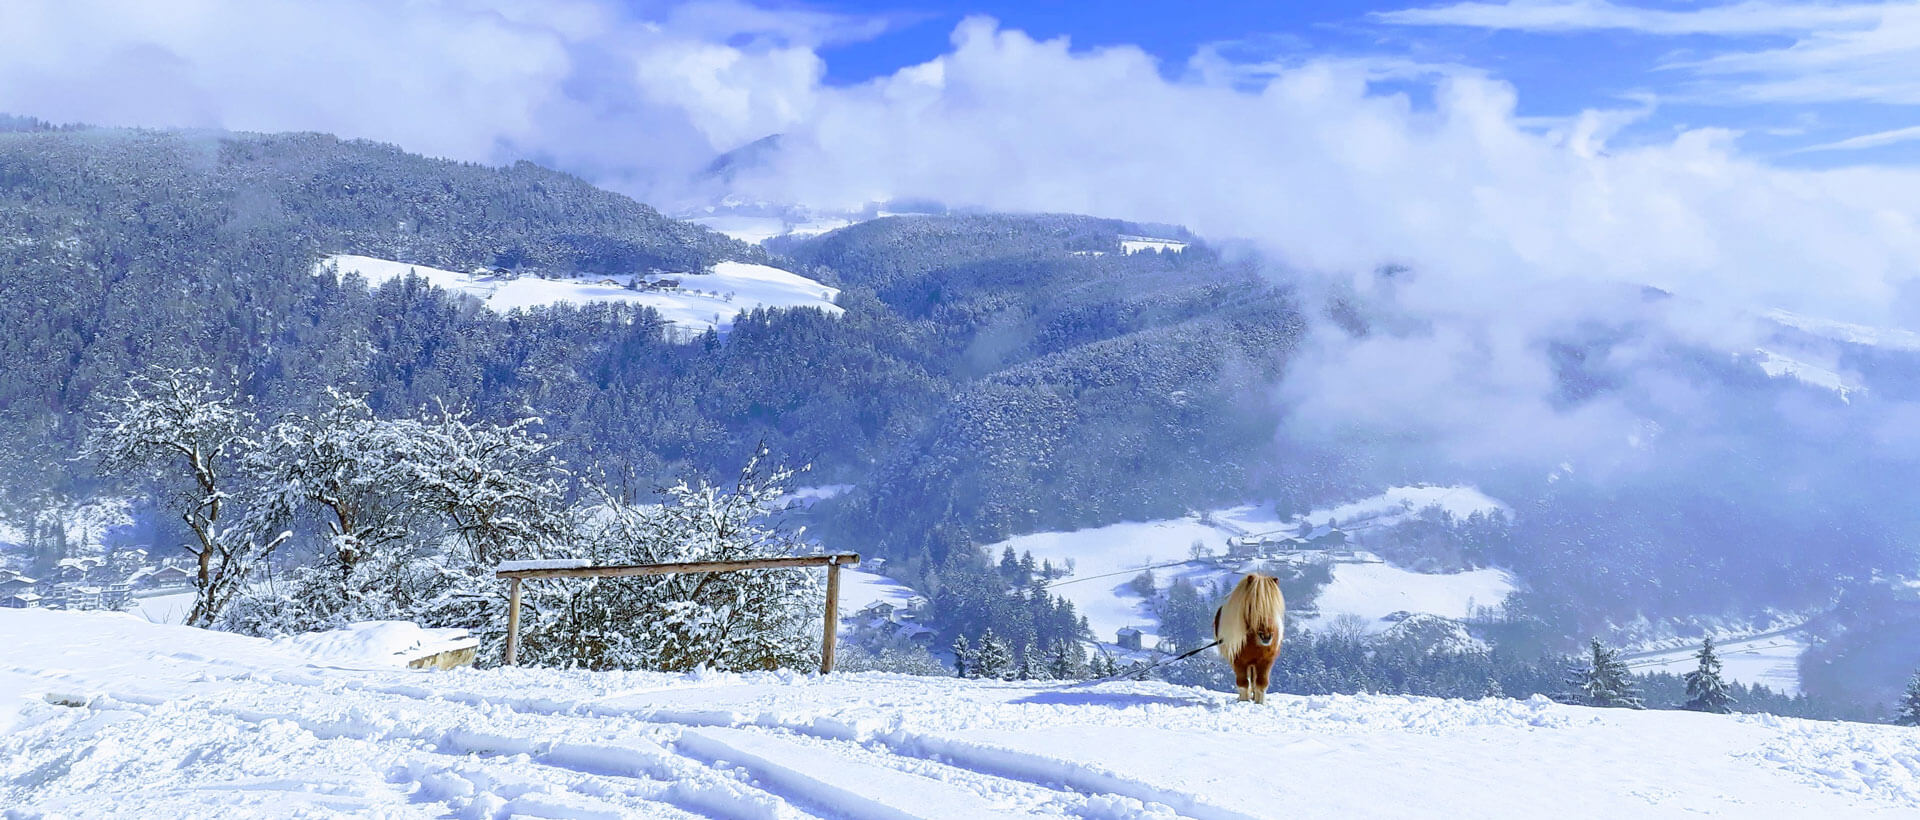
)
(730, 621)
(416, 513)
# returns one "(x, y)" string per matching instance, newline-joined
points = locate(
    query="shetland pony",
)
(1249, 626)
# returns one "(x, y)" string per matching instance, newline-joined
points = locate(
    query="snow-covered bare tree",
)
(416, 512)
(174, 427)
(754, 619)
(1706, 692)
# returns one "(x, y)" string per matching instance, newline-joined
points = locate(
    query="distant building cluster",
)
(897, 620)
(90, 582)
(1324, 540)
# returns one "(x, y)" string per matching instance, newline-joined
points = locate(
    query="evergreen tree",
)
(1062, 666)
(1706, 692)
(1603, 681)
(994, 659)
(1909, 711)
(963, 658)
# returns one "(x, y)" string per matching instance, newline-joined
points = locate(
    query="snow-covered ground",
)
(702, 301)
(1890, 338)
(1778, 366)
(1371, 592)
(1772, 659)
(1106, 558)
(102, 715)
(167, 607)
(860, 589)
(755, 229)
(1138, 244)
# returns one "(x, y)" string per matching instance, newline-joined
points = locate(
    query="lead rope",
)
(1137, 669)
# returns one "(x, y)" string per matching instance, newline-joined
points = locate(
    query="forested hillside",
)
(983, 379)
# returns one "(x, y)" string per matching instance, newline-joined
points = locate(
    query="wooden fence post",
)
(833, 616)
(513, 621)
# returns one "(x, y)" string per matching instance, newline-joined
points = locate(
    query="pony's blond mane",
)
(1255, 602)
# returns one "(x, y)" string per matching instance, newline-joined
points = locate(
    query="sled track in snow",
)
(463, 753)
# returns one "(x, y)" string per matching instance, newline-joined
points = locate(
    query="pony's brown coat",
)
(1249, 627)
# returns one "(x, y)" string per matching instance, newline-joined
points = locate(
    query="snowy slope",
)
(1772, 659)
(102, 713)
(1890, 338)
(1106, 558)
(702, 301)
(1778, 366)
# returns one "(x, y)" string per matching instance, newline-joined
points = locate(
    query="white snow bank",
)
(109, 712)
(381, 643)
(701, 301)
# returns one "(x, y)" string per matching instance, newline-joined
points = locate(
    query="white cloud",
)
(1874, 140)
(1750, 17)
(1513, 234)
(1841, 52)
(586, 84)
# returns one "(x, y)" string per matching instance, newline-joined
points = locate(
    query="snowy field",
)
(1107, 558)
(102, 713)
(703, 301)
(1777, 366)
(1139, 244)
(1772, 659)
(757, 229)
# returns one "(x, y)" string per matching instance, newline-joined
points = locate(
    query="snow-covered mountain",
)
(102, 712)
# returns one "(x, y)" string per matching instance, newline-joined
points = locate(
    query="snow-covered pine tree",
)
(1603, 680)
(963, 657)
(993, 659)
(1909, 712)
(1061, 665)
(175, 426)
(1706, 692)
(1101, 666)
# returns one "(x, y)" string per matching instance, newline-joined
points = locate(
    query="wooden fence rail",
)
(833, 563)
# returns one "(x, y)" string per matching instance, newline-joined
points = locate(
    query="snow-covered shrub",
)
(731, 621)
(912, 659)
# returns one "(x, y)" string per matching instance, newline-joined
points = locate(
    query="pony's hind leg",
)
(1243, 680)
(1262, 676)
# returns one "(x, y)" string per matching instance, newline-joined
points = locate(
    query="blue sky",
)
(1557, 72)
